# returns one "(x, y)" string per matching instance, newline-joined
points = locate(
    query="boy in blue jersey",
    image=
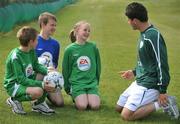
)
(148, 92)
(49, 48)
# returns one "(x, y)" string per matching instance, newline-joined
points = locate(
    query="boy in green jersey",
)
(148, 92)
(20, 75)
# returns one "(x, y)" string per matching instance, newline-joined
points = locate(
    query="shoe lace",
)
(18, 105)
(45, 105)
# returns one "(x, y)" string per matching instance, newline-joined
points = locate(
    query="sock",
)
(41, 99)
(23, 98)
(156, 105)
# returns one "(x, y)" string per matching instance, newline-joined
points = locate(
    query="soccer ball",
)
(55, 79)
(44, 60)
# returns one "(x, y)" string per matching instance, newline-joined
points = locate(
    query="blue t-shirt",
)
(49, 48)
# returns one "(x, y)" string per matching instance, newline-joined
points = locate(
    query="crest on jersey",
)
(141, 44)
(83, 63)
(29, 70)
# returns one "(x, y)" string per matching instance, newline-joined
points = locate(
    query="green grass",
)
(117, 43)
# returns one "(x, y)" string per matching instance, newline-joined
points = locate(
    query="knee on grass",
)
(81, 106)
(127, 116)
(94, 106)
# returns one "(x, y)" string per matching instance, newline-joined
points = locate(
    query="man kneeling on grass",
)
(148, 92)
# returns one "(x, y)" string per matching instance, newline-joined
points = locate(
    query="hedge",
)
(22, 12)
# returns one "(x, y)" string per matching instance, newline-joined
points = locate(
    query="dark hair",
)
(138, 11)
(25, 34)
(72, 36)
(44, 18)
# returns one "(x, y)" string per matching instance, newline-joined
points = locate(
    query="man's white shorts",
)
(136, 96)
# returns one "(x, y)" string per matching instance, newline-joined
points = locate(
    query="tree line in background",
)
(7, 2)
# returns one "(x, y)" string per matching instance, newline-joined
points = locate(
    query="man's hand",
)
(127, 74)
(163, 100)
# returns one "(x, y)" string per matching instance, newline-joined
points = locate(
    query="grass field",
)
(117, 43)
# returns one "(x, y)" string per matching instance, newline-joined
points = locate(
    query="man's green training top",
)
(152, 70)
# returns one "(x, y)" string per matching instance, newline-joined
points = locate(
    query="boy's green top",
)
(81, 66)
(152, 70)
(21, 68)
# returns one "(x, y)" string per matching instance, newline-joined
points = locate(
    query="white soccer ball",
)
(55, 79)
(45, 61)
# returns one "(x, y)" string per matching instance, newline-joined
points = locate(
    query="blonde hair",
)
(45, 17)
(72, 34)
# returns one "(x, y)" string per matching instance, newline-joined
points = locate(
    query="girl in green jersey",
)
(81, 68)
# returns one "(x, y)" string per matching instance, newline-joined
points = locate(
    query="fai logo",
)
(139, 63)
(84, 63)
(141, 44)
(29, 70)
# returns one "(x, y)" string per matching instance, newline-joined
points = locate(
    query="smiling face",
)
(82, 32)
(50, 27)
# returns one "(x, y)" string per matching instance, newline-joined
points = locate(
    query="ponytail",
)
(72, 36)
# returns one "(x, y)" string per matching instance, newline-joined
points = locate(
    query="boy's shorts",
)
(136, 96)
(93, 90)
(17, 90)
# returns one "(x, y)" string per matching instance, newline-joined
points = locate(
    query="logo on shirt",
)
(29, 70)
(48, 57)
(40, 49)
(139, 63)
(84, 63)
(141, 44)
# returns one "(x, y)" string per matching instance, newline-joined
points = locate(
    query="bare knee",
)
(94, 106)
(127, 115)
(81, 106)
(81, 102)
(94, 101)
(37, 93)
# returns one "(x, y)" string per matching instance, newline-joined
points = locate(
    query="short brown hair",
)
(25, 34)
(44, 18)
